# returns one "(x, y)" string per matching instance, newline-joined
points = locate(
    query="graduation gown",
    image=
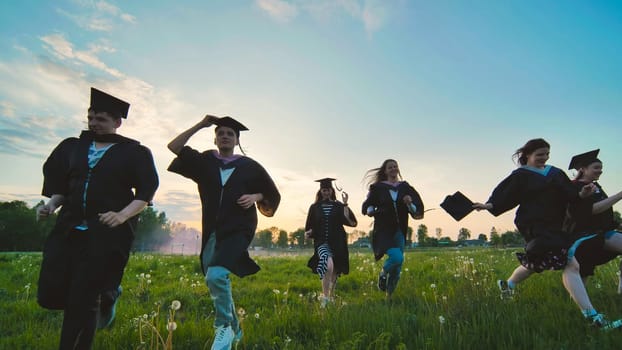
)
(125, 172)
(542, 200)
(593, 253)
(337, 236)
(233, 225)
(390, 217)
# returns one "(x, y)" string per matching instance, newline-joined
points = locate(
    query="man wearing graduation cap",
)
(325, 220)
(230, 186)
(101, 181)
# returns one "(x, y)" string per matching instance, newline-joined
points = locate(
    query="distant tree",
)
(495, 238)
(153, 230)
(512, 238)
(281, 241)
(409, 236)
(439, 232)
(482, 237)
(422, 234)
(464, 234)
(19, 229)
(263, 238)
(356, 234)
(431, 242)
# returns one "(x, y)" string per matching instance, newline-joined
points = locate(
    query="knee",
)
(573, 266)
(215, 276)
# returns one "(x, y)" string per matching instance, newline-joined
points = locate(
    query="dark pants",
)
(89, 264)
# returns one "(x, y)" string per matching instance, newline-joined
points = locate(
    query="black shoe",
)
(382, 282)
(107, 310)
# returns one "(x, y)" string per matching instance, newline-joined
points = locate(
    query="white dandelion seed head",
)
(172, 326)
(147, 276)
(433, 286)
(276, 291)
(257, 316)
(175, 305)
(441, 319)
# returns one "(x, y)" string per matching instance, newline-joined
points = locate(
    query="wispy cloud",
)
(279, 9)
(99, 16)
(372, 13)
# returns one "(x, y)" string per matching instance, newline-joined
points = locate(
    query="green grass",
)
(446, 299)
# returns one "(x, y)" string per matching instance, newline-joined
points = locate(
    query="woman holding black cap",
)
(325, 221)
(231, 186)
(599, 223)
(543, 193)
(390, 200)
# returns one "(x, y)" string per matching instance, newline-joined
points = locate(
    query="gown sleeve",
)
(506, 195)
(185, 164)
(416, 200)
(271, 196)
(146, 176)
(55, 175)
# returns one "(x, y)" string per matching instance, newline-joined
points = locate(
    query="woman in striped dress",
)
(325, 221)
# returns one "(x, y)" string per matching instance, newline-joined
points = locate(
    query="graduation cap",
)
(584, 159)
(326, 182)
(457, 205)
(103, 102)
(231, 123)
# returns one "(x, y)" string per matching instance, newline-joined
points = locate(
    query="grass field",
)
(446, 299)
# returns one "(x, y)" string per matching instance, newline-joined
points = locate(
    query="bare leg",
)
(328, 278)
(520, 274)
(574, 285)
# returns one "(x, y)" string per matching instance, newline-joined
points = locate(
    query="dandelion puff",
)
(276, 291)
(147, 276)
(433, 286)
(257, 316)
(175, 305)
(172, 326)
(148, 281)
(441, 320)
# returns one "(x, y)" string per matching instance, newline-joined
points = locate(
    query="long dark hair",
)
(318, 195)
(521, 154)
(376, 175)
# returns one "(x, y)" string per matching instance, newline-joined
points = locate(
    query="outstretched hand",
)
(482, 206)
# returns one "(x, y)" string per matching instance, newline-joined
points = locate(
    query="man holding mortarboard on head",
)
(101, 181)
(325, 221)
(231, 186)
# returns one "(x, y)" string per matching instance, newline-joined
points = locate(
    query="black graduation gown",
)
(233, 225)
(126, 172)
(337, 237)
(542, 201)
(390, 218)
(592, 253)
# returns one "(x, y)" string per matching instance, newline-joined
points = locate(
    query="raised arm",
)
(180, 141)
(606, 203)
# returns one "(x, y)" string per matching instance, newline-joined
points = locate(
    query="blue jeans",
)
(217, 279)
(393, 265)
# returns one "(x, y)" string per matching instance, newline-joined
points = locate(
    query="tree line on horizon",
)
(20, 231)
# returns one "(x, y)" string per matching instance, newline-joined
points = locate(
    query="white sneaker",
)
(223, 337)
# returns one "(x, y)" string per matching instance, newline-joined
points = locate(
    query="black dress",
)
(542, 197)
(233, 225)
(390, 216)
(328, 229)
(593, 253)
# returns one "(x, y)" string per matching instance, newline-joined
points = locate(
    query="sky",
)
(449, 89)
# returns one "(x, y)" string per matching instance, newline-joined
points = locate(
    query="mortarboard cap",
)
(457, 205)
(231, 123)
(584, 159)
(103, 102)
(326, 182)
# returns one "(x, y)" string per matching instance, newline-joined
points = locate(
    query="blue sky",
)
(328, 88)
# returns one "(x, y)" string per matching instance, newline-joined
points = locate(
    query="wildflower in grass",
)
(276, 291)
(172, 326)
(175, 305)
(257, 316)
(441, 320)
(432, 286)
